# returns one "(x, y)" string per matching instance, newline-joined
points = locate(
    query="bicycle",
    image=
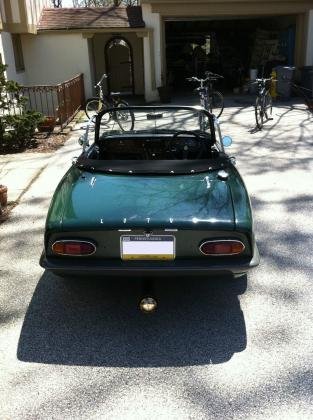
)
(263, 105)
(211, 100)
(124, 118)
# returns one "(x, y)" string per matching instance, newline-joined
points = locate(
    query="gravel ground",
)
(216, 349)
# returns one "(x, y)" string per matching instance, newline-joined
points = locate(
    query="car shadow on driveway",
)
(97, 323)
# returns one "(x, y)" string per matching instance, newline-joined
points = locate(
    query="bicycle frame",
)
(262, 91)
(111, 102)
(204, 97)
(261, 87)
(206, 91)
(263, 101)
(106, 97)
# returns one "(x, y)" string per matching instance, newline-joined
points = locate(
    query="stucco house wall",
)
(53, 58)
(7, 55)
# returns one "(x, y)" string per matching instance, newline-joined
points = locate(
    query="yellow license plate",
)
(152, 247)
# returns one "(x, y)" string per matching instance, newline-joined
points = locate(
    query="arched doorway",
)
(119, 64)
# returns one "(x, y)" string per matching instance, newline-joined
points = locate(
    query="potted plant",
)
(47, 124)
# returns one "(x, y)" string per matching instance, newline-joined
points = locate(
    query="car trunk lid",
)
(93, 200)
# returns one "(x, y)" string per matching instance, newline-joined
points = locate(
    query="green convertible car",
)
(153, 194)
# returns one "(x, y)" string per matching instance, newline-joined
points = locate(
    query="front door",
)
(119, 61)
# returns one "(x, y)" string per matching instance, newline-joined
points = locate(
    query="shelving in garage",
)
(228, 46)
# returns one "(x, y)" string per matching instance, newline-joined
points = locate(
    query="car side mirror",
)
(83, 140)
(227, 141)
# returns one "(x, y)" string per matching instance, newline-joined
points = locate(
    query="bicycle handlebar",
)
(104, 76)
(210, 76)
(195, 79)
(263, 80)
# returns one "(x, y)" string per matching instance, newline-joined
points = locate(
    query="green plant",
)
(20, 129)
(17, 126)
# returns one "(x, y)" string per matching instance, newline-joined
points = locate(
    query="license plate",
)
(152, 247)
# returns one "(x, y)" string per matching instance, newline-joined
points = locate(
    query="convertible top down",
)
(157, 196)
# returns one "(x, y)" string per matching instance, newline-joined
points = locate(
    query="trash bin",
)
(285, 77)
(307, 79)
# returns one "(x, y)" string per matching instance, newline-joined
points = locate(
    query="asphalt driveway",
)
(217, 349)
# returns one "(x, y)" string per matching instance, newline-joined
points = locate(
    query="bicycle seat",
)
(115, 93)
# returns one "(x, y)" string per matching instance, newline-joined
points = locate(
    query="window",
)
(18, 52)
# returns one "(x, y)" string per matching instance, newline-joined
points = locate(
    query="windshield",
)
(154, 140)
(153, 120)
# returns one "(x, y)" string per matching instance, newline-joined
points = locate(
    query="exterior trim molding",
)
(89, 33)
(20, 28)
(230, 8)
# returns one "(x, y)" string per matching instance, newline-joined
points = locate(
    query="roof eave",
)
(93, 30)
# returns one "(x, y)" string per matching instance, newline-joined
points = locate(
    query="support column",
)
(152, 53)
(309, 44)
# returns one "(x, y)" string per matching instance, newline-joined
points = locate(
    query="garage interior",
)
(228, 47)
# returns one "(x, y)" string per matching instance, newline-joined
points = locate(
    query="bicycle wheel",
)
(216, 103)
(125, 118)
(93, 106)
(268, 106)
(259, 112)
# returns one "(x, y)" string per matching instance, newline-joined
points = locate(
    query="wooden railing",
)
(60, 101)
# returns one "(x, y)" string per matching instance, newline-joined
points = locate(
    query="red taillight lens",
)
(222, 247)
(77, 248)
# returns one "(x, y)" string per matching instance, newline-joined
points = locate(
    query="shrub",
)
(20, 129)
(17, 130)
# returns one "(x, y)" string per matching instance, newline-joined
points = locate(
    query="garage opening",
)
(228, 47)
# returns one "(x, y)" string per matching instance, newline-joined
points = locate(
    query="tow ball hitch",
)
(148, 303)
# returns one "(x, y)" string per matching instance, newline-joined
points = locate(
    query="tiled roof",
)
(91, 18)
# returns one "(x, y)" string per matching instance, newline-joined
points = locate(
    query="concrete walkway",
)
(19, 170)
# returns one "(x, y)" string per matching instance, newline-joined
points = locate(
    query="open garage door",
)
(230, 47)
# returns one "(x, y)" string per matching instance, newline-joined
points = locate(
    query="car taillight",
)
(75, 248)
(222, 247)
